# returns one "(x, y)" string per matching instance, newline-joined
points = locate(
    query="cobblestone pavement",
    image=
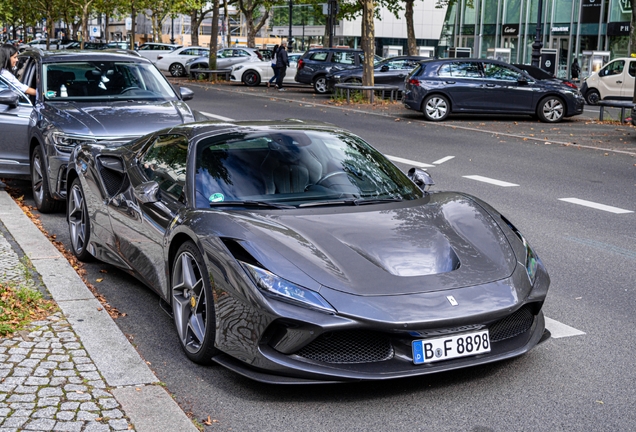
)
(47, 380)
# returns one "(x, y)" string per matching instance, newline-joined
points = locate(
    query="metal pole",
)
(538, 44)
(289, 40)
(172, 29)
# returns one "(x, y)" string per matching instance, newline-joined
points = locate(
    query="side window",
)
(165, 162)
(632, 68)
(499, 72)
(187, 52)
(346, 58)
(319, 56)
(614, 68)
(242, 53)
(225, 53)
(460, 70)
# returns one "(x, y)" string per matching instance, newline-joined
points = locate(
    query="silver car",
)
(225, 58)
(95, 97)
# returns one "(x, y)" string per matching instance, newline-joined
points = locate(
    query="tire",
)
(436, 108)
(592, 96)
(251, 78)
(40, 184)
(176, 70)
(193, 304)
(551, 109)
(79, 226)
(320, 85)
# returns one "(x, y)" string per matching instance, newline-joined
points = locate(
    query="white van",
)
(615, 80)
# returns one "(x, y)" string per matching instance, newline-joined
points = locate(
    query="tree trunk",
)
(85, 9)
(194, 28)
(368, 44)
(133, 16)
(410, 28)
(214, 37)
(106, 21)
(249, 23)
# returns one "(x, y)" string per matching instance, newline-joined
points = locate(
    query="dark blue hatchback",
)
(441, 87)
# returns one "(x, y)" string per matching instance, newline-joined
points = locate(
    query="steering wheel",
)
(127, 89)
(329, 175)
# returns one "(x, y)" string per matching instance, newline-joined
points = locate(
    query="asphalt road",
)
(577, 382)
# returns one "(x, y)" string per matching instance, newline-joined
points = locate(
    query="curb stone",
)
(74, 371)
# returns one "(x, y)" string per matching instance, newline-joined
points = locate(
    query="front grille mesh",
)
(354, 346)
(512, 325)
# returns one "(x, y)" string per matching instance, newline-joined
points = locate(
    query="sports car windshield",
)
(85, 81)
(295, 167)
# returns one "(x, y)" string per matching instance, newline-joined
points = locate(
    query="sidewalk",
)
(74, 371)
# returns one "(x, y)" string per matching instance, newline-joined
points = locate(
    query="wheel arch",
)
(177, 241)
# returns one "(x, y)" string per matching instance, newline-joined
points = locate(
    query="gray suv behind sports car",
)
(316, 63)
(82, 97)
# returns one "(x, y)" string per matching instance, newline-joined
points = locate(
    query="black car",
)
(82, 96)
(293, 252)
(390, 71)
(438, 88)
(537, 73)
(316, 63)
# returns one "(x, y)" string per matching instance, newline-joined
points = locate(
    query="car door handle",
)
(449, 82)
(619, 82)
(490, 85)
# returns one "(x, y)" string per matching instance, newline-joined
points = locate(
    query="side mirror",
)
(421, 178)
(186, 93)
(522, 81)
(9, 98)
(148, 192)
(384, 68)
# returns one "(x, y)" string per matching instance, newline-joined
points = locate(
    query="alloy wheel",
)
(177, 70)
(37, 178)
(436, 108)
(552, 110)
(189, 302)
(77, 219)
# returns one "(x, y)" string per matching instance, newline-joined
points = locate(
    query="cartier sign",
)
(510, 29)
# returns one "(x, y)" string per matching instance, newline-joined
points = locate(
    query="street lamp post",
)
(537, 45)
(289, 39)
(172, 29)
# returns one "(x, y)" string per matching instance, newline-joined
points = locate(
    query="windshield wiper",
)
(353, 201)
(250, 203)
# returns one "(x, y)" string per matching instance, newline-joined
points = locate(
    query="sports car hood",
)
(417, 246)
(116, 119)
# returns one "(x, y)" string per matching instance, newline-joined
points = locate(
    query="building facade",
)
(592, 31)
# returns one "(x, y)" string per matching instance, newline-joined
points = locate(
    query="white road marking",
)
(409, 162)
(218, 117)
(596, 205)
(491, 181)
(442, 160)
(559, 330)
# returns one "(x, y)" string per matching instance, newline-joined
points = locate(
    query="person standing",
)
(282, 63)
(274, 68)
(576, 70)
(8, 60)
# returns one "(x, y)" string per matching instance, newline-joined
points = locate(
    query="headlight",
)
(66, 143)
(287, 291)
(531, 258)
(337, 77)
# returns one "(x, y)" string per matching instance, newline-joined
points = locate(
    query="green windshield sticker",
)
(217, 197)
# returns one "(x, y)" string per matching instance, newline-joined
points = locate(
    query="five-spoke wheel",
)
(78, 223)
(320, 85)
(44, 202)
(192, 304)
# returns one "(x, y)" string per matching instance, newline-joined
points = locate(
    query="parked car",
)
(540, 74)
(293, 252)
(254, 73)
(54, 44)
(100, 97)
(119, 45)
(390, 71)
(438, 88)
(174, 61)
(615, 80)
(225, 58)
(152, 50)
(316, 63)
(87, 46)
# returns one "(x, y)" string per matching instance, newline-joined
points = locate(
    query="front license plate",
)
(450, 347)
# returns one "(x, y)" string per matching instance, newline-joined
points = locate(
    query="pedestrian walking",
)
(274, 68)
(576, 70)
(282, 63)
(8, 60)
